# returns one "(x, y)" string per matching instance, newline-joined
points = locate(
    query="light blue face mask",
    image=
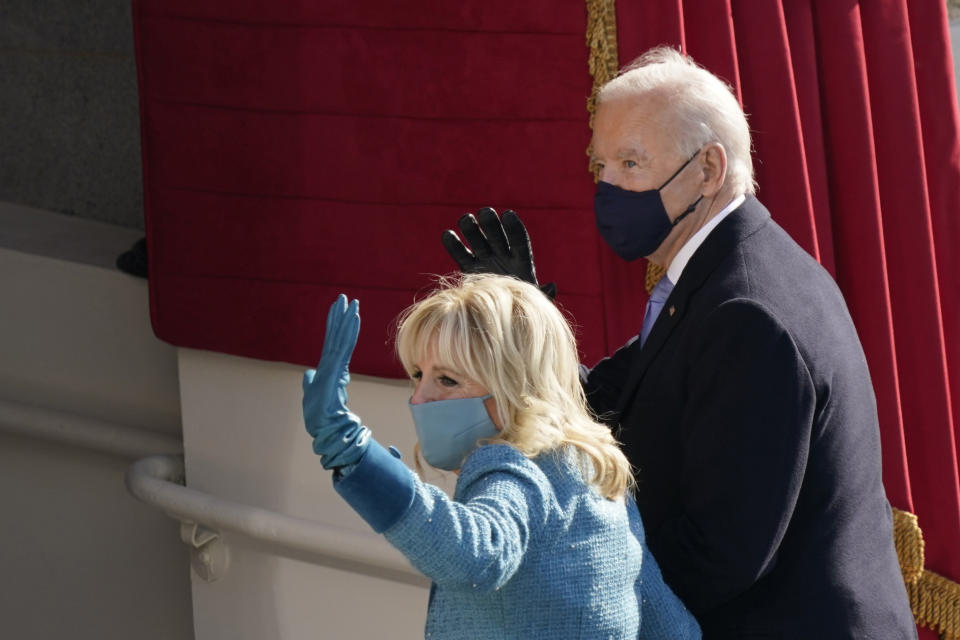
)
(448, 430)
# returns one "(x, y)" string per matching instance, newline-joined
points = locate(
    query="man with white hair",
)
(745, 406)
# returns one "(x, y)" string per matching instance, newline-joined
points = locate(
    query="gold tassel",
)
(653, 275)
(604, 63)
(908, 539)
(934, 599)
(935, 602)
(603, 59)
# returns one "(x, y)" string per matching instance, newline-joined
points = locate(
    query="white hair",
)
(703, 107)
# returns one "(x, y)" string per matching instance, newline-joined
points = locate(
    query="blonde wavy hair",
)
(505, 335)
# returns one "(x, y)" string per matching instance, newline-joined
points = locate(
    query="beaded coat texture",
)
(526, 549)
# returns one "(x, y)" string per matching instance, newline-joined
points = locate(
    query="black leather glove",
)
(498, 246)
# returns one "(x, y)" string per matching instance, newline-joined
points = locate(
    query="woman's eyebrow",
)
(447, 370)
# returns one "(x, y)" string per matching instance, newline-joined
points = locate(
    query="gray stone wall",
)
(69, 120)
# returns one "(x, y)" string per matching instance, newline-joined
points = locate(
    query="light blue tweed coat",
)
(527, 550)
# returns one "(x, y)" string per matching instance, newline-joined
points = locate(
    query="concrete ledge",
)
(69, 238)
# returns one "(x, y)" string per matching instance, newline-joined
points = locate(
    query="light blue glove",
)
(338, 437)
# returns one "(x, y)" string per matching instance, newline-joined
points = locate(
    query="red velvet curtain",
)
(854, 115)
(293, 150)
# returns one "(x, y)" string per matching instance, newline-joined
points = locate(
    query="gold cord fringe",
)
(604, 63)
(934, 599)
(908, 540)
(653, 275)
(603, 60)
(935, 602)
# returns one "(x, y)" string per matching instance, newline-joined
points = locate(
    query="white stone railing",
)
(157, 478)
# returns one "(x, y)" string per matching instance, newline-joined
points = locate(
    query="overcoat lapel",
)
(742, 222)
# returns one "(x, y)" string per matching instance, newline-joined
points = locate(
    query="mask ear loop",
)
(688, 211)
(693, 206)
(682, 167)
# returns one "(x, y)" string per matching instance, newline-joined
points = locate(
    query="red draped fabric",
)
(853, 110)
(293, 150)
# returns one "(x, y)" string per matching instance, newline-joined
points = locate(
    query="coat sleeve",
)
(747, 425)
(603, 383)
(479, 540)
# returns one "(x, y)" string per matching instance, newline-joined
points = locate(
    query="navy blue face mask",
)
(635, 223)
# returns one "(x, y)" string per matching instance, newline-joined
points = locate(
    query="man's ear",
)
(713, 164)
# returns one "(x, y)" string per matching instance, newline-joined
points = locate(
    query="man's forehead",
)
(631, 127)
(619, 145)
(627, 138)
(647, 107)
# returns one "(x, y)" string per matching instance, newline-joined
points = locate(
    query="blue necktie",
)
(658, 296)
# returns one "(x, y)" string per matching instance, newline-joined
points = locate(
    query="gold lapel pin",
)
(672, 309)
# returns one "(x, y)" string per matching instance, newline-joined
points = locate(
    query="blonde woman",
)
(542, 538)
